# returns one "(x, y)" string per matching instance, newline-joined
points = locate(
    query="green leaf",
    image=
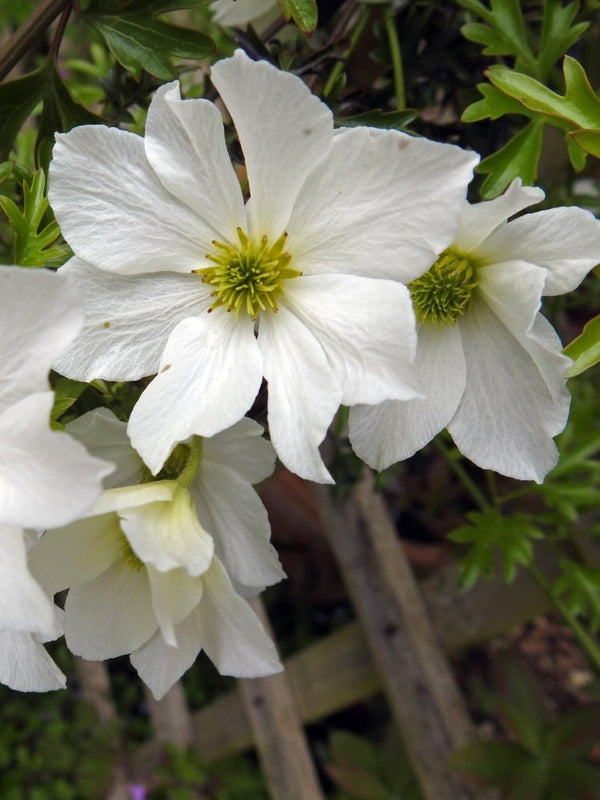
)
(376, 118)
(504, 31)
(490, 534)
(304, 13)
(139, 41)
(495, 104)
(579, 106)
(491, 763)
(517, 159)
(579, 586)
(32, 246)
(348, 748)
(557, 36)
(575, 731)
(585, 349)
(18, 99)
(588, 141)
(357, 782)
(66, 392)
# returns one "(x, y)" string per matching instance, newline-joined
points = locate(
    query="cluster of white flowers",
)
(356, 273)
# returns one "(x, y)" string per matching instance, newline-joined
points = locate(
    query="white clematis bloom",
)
(46, 478)
(490, 363)
(141, 568)
(183, 279)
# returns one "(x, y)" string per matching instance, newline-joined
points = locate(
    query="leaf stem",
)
(585, 640)
(396, 54)
(339, 65)
(13, 50)
(462, 475)
(193, 463)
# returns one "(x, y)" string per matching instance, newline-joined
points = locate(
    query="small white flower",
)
(46, 478)
(162, 237)
(491, 365)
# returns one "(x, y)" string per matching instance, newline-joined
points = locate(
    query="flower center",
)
(444, 292)
(248, 277)
(132, 562)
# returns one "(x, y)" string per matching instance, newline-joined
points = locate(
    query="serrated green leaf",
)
(557, 35)
(138, 41)
(579, 586)
(376, 118)
(579, 106)
(585, 349)
(588, 141)
(66, 392)
(32, 246)
(304, 13)
(18, 99)
(517, 159)
(504, 31)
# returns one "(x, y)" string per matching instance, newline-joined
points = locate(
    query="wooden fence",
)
(399, 645)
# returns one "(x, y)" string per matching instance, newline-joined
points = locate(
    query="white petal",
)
(46, 477)
(23, 604)
(367, 331)
(105, 436)
(392, 431)
(111, 615)
(77, 553)
(25, 666)
(304, 392)
(284, 130)
(174, 595)
(160, 665)
(233, 12)
(168, 534)
(40, 315)
(242, 448)
(383, 205)
(507, 416)
(231, 510)
(185, 144)
(113, 210)
(209, 374)
(128, 320)
(565, 241)
(230, 632)
(479, 220)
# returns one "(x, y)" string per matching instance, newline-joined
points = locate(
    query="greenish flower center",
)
(248, 277)
(132, 562)
(444, 293)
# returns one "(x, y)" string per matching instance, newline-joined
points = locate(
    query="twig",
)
(13, 50)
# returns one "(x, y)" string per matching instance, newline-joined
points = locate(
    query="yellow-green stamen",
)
(444, 293)
(132, 562)
(248, 278)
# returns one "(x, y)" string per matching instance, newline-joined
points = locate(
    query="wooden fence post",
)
(426, 703)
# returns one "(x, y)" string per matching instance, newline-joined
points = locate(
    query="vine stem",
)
(13, 50)
(191, 468)
(356, 34)
(461, 473)
(396, 54)
(585, 640)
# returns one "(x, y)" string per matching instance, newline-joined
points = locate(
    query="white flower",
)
(490, 364)
(46, 478)
(239, 13)
(142, 566)
(227, 505)
(162, 236)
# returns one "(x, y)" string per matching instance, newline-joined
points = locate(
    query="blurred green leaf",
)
(579, 588)
(585, 349)
(140, 41)
(18, 99)
(492, 763)
(304, 13)
(492, 534)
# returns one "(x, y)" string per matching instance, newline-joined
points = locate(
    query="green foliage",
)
(585, 349)
(303, 12)
(52, 748)
(389, 120)
(365, 771)
(545, 759)
(579, 589)
(66, 393)
(139, 40)
(33, 234)
(490, 535)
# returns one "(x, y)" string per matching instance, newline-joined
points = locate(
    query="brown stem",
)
(13, 50)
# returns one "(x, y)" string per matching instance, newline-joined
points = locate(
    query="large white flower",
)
(491, 365)
(46, 478)
(183, 279)
(142, 567)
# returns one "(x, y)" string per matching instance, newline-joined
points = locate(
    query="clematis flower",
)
(225, 501)
(46, 478)
(141, 567)
(490, 363)
(183, 279)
